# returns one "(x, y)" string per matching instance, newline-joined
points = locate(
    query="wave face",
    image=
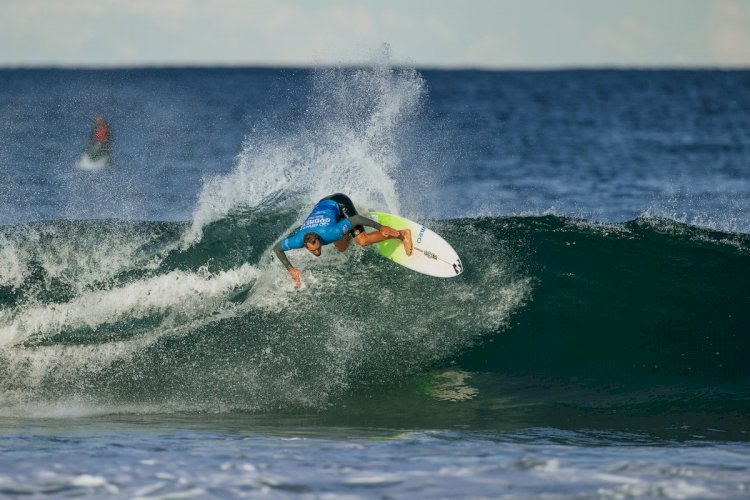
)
(648, 299)
(647, 317)
(218, 326)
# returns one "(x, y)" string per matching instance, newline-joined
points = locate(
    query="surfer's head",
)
(312, 243)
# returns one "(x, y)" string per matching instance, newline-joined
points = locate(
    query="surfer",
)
(100, 142)
(334, 220)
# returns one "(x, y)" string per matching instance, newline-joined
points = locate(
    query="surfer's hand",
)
(389, 232)
(296, 275)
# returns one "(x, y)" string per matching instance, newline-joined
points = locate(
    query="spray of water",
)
(346, 140)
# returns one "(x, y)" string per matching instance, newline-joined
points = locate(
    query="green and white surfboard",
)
(432, 255)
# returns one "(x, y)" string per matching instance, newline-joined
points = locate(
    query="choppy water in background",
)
(601, 145)
(596, 344)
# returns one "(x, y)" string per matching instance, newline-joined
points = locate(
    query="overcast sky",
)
(422, 33)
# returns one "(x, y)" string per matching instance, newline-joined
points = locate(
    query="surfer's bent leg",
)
(383, 233)
(364, 239)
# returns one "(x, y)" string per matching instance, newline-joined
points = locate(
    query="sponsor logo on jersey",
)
(316, 221)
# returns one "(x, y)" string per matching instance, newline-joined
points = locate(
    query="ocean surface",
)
(596, 346)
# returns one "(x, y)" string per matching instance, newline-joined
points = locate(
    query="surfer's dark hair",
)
(310, 238)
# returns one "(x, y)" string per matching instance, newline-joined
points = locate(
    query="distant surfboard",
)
(432, 255)
(87, 163)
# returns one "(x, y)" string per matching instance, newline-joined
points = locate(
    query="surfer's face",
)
(313, 247)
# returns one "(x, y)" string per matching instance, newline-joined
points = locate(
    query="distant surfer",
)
(334, 220)
(100, 142)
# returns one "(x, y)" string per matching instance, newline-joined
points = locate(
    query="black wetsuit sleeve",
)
(358, 220)
(282, 256)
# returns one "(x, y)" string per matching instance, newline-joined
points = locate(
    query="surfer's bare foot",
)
(389, 232)
(406, 239)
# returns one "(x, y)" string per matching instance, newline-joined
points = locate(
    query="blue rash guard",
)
(324, 221)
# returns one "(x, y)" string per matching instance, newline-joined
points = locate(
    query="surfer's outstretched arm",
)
(282, 256)
(293, 271)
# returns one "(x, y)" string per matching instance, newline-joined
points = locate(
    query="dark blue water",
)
(603, 145)
(595, 346)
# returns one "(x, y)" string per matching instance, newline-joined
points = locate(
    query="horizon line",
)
(529, 68)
